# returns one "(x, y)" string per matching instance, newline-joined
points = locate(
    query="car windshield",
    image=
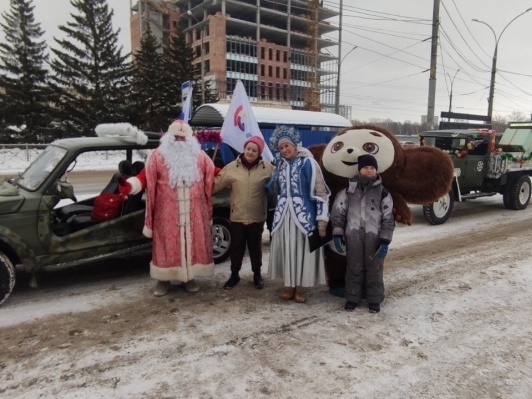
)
(41, 168)
(445, 143)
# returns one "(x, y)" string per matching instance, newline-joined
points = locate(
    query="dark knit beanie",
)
(367, 160)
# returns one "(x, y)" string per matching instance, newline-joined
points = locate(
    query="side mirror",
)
(66, 190)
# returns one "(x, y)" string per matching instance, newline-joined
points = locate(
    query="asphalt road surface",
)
(90, 182)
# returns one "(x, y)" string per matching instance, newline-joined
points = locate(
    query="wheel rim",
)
(524, 193)
(221, 240)
(441, 207)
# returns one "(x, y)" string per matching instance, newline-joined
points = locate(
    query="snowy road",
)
(456, 323)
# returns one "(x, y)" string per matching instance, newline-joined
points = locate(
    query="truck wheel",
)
(438, 212)
(7, 277)
(517, 196)
(221, 239)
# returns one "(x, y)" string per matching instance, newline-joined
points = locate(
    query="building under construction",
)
(281, 50)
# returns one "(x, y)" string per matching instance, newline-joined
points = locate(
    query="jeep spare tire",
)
(439, 211)
(7, 277)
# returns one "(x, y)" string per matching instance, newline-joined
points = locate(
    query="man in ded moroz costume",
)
(179, 178)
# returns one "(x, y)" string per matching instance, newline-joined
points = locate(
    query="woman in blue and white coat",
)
(301, 207)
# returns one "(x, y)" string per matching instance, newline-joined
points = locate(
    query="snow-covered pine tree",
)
(25, 96)
(151, 108)
(91, 75)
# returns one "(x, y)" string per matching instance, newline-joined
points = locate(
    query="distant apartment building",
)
(282, 51)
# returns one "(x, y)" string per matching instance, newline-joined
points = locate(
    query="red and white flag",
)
(240, 123)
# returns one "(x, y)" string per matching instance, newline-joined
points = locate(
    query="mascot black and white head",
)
(341, 154)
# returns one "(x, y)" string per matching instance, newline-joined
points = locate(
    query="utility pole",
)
(433, 59)
(337, 93)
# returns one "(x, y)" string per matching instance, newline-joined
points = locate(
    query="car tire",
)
(517, 195)
(439, 211)
(221, 239)
(7, 277)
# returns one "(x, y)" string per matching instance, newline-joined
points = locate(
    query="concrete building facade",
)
(282, 51)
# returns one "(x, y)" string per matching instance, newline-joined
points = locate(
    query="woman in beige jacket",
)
(246, 176)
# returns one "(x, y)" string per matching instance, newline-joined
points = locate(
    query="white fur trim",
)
(136, 185)
(180, 128)
(179, 273)
(121, 130)
(147, 232)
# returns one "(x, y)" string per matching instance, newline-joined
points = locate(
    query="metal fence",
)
(15, 158)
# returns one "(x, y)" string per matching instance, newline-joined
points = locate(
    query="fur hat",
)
(180, 128)
(367, 160)
(256, 140)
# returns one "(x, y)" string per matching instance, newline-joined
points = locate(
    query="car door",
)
(476, 165)
(74, 231)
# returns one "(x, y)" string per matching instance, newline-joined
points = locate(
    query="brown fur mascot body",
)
(415, 175)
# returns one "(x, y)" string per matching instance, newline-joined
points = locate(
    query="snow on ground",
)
(16, 160)
(456, 323)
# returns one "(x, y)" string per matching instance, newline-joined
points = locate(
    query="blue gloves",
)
(382, 251)
(339, 244)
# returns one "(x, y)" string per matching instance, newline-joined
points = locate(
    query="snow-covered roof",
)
(213, 115)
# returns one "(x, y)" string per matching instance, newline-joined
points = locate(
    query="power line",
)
(460, 33)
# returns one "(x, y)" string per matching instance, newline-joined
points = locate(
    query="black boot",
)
(374, 307)
(350, 306)
(233, 280)
(258, 281)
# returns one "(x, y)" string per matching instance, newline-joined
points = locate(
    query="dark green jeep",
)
(44, 227)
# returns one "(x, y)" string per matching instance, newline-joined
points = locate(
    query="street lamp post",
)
(494, 62)
(451, 95)
(202, 56)
(337, 94)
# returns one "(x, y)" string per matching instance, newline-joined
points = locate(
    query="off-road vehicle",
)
(44, 227)
(485, 164)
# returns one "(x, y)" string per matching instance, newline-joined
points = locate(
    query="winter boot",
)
(233, 280)
(258, 281)
(301, 294)
(350, 306)
(374, 307)
(161, 288)
(191, 286)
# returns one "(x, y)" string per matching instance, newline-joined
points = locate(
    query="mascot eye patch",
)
(337, 147)
(370, 148)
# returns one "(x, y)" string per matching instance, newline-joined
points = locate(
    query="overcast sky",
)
(387, 75)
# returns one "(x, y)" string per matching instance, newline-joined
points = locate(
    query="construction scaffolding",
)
(312, 95)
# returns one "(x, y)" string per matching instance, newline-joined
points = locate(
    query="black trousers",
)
(250, 235)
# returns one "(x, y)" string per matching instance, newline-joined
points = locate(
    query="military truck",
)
(486, 163)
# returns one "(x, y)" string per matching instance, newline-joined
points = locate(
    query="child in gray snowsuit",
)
(363, 224)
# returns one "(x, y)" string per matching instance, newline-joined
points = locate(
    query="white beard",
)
(181, 159)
